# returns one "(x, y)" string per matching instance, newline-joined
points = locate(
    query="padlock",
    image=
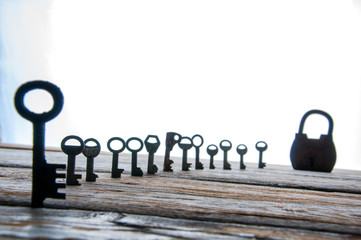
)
(314, 154)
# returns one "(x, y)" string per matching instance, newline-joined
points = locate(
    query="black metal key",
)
(172, 139)
(199, 165)
(242, 150)
(90, 152)
(185, 147)
(72, 151)
(225, 149)
(135, 171)
(152, 148)
(212, 150)
(261, 146)
(116, 172)
(44, 174)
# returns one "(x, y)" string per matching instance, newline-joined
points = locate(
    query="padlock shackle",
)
(315, 111)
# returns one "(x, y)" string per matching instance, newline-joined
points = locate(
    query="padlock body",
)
(313, 154)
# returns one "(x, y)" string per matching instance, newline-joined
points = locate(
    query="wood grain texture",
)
(272, 202)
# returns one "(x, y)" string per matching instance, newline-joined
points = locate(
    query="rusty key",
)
(44, 174)
(116, 172)
(199, 165)
(72, 151)
(185, 144)
(152, 148)
(225, 145)
(172, 139)
(135, 171)
(212, 150)
(242, 150)
(261, 146)
(90, 152)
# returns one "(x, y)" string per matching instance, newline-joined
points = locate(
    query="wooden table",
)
(275, 202)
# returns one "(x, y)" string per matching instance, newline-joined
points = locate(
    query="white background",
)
(238, 70)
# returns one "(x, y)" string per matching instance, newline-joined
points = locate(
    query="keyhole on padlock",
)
(312, 161)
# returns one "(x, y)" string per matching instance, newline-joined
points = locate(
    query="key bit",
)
(199, 165)
(185, 147)
(242, 150)
(212, 150)
(116, 172)
(152, 148)
(72, 151)
(261, 146)
(225, 145)
(172, 139)
(90, 152)
(136, 171)
(44, 175)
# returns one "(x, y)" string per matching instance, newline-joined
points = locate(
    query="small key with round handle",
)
(116, 172)
(72, 151)
(135, 171)
(242, 150)
(152, 148)
(225, 145)
(197, 146)
(185, 144)
(90, 152)
(212, 150)
(261, 146)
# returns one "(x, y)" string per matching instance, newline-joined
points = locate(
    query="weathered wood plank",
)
(22, 222)
(200, 200)
(272, 175)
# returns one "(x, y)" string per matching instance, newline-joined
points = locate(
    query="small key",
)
(172, 139)
(44, 174)
(72, 151)
(136, 171)
(225, 148)
(185, 147)
(212, 150)
(90, 152)
(116, 172)
(199, 165)
(152, 148)
(261, 146)
(242, 150)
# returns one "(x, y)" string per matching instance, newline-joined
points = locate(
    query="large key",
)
(44, 174)
(226, 145)
(72, 151)
(152, 148)
(185, 144)
(135, 171)
(90, 152)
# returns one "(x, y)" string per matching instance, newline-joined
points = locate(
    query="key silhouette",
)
(44, 175)
(185, 147)
(261, 146)
(242, 150)
(116, 172)
(225, 145)
(90, 152)
(152, 148)
(172, 139)
(212, 150)
(72, 151)
(199, 165)
(135, 171)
